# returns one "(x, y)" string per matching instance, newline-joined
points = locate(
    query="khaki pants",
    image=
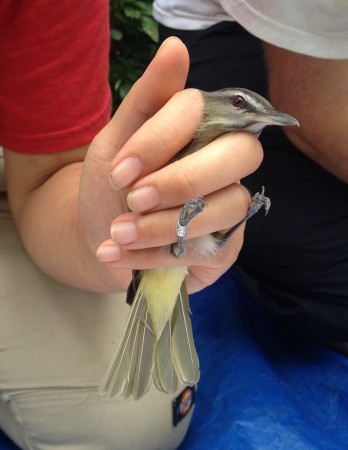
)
(55, 345)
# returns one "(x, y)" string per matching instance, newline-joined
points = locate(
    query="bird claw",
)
(188, 212)
(257, 202)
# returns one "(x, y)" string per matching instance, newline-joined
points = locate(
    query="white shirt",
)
(312, 27)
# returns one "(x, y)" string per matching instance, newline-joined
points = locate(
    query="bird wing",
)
(164, 375)
(140, 374)
(183, 350)
(123, 366)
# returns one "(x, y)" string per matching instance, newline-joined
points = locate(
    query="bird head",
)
(235, 109)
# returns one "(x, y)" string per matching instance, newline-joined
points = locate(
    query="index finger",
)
(159, 139)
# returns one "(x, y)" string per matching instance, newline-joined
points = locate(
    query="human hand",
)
(154, 122)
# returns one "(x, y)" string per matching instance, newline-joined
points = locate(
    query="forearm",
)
(49, 225)
(315, 91)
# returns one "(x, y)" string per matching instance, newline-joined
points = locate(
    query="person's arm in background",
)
(62, 221)
(315, 91)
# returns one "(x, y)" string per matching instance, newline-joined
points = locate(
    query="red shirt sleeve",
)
(54, 91)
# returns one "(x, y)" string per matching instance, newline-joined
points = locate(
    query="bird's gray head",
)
(235, 109)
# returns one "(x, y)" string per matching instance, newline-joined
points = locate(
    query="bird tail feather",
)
(183, 350)
(128, 370)
(141, 359)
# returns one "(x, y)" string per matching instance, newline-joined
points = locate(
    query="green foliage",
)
(134, 35)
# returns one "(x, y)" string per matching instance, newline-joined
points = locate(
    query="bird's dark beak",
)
(279, 118)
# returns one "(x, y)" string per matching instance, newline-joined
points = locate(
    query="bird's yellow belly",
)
(160, 288)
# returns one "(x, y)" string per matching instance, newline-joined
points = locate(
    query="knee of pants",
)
(79, 418)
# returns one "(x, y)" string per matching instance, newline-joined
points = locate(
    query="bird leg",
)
(195, 206)
(188, 212)
(256, 204)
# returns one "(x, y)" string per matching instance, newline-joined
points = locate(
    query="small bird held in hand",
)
(157, 344)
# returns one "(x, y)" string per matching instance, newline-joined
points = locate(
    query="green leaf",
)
(144, 6)
(124, 89)
(132, 13)
(117, 85)
(116, 35)
(150, 27)
(133, 37)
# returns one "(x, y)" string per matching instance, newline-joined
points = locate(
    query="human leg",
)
(56, 343)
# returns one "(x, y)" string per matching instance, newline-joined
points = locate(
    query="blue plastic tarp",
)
(261, 389)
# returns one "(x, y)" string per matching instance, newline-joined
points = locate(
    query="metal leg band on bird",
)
(188, 212)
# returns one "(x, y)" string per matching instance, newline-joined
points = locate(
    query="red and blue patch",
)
(183, 403)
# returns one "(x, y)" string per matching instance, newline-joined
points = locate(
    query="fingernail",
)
(143, 199)
(125, 172)
(109, 253)
(124, 232)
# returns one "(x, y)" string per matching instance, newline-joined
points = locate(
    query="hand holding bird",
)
(157, 344)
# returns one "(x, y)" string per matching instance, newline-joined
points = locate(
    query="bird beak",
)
(278, 118)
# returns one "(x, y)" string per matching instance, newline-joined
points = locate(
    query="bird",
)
(157, 346)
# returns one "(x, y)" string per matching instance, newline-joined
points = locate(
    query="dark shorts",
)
(298, 254)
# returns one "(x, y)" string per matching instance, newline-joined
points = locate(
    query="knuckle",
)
(183, 180)
(156, 229)
(252, 148)
(236, 202)
(243, 197)
(163, 135)
(193, 95)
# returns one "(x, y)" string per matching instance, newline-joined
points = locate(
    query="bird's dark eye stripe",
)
(237, 101)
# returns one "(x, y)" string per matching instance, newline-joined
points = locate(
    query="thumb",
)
(165, 75)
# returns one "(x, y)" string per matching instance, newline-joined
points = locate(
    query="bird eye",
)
(237, 101)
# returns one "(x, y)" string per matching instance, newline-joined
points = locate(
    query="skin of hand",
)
(316, 91)
(65, 208)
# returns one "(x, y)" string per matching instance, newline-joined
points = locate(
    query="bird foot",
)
(258, 201)
(188, 212)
